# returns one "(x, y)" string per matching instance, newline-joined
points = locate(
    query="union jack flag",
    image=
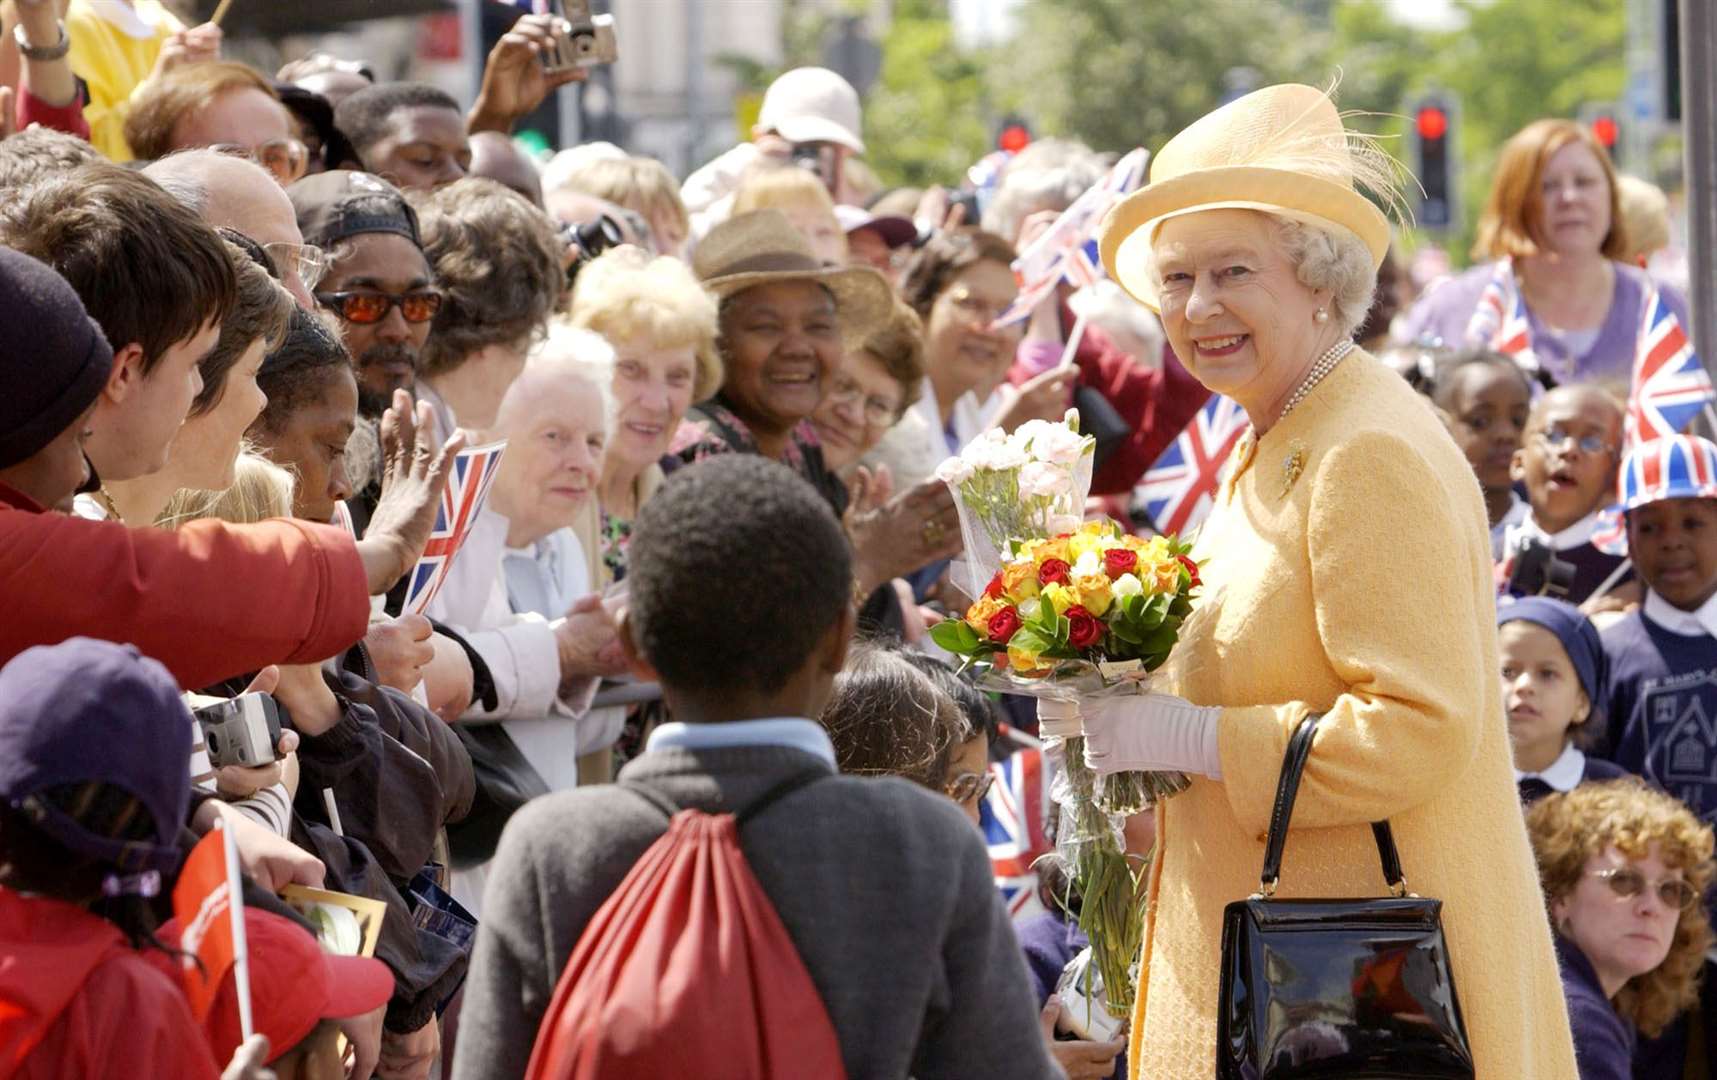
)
(1012, 817)
(1499, 322)
(1670, 385)
(462, 500)
(1067, 250)
(1179, 487)
(1611, 534)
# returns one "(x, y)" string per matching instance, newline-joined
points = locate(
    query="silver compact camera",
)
(244, 730)
(582, 39)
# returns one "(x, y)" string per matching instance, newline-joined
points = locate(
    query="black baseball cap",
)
(334, 205)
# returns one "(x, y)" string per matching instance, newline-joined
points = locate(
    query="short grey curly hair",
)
(1324, 257)
(1333, 259)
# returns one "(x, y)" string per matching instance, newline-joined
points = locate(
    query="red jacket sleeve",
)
(210, 600)
(66, 118)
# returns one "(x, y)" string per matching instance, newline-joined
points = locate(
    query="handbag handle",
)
(1287, 787)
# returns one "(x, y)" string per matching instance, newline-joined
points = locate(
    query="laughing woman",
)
(784, 321)
(1347, 572)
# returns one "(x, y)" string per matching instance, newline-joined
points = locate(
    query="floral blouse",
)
(712, 428)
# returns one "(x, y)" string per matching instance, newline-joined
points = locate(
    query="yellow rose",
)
(978, 615)
(1043, 550)
(1019, 579)
(1024, 662)
(1060, 597)
(1084, 543)
(1095, 593)
(1167, 575)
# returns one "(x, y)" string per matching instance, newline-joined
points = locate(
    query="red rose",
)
(1002, 625)
(1118, 561)
(1083, 630)
(1053, 571)
(994, 589)
(1191, 569)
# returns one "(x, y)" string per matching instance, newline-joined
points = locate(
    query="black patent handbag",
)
(1336, 988)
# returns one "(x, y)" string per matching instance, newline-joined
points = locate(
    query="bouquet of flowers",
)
(1066, 610)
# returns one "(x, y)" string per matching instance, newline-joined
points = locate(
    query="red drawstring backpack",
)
(686, 970)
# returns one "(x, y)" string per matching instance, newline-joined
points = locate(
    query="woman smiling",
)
(1347, 572)
(662, 325)
(785, 319)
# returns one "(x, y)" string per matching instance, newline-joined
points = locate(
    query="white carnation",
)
(954, 471)
(1058, 443)
(1040, 479)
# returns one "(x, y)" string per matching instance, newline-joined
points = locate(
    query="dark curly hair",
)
(293, 374)
(364, 117)
(497, 261)
(941, 260)
(738, 569)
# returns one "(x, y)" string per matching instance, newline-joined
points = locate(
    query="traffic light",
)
(1013, 136)
(1434, 162)
(1605, 128)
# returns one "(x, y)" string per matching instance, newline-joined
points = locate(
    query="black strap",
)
(1287, 787)
(763, 802)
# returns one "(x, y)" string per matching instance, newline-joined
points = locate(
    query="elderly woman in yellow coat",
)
(1346, 571)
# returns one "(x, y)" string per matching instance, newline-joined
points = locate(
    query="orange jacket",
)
(210, 600)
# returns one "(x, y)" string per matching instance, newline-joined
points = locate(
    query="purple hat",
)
(1578, 636)
(91, 711)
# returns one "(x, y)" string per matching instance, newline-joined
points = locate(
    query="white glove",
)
(1151, 733)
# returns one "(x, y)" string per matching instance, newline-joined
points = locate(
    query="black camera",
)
(1538, 572)
(587, 240)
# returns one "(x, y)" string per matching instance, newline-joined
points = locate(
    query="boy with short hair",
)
(1567, 460)
(158, 282)
(1662, 655)
(883, 888)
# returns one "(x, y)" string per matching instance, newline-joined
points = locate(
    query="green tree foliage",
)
(926, 121)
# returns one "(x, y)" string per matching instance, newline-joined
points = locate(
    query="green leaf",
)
(1161, 640)
(1030, 640)
(1126, 631)
(955, 636)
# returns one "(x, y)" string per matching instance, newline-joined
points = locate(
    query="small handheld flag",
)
(1178, 489)
(209, 907)
(467, 491)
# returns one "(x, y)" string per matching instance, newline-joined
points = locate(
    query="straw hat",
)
(1281, 149)
(763, 247)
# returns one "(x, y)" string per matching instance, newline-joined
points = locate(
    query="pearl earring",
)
(1322, 316)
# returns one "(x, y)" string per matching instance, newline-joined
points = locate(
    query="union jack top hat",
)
(1673, 467)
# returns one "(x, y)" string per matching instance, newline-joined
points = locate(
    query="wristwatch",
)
(55, 51)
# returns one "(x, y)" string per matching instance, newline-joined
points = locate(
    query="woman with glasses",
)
(1624, 869)
(1550, 287)
(223, 105)
(874, 386)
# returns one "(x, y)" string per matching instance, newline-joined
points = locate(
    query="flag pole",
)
(241, 954)
(1073, 340)
(1613, 580)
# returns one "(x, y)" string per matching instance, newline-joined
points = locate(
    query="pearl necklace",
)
(1325, 364)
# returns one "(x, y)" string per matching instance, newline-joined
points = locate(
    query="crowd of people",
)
(261, 335)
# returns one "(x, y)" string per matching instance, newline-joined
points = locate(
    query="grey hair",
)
(574, 351)
(1323, 258)
(1333, 259)
(185, 188)
(1048, 174)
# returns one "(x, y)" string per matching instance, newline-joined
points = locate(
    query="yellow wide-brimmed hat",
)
(1281, 150)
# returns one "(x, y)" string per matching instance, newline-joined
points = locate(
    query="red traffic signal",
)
(1013, 138)
(1606, 130)
(1431, 122)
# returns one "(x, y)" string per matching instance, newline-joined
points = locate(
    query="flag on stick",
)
(462, 500)
(209, 905)
(1178, 489)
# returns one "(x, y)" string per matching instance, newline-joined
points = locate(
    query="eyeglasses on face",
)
(308, 261)
(1558, 438)
(365, 308)
(285, 159)
(1627, 883)
(970, 787)
(975, 308)
(878, 411)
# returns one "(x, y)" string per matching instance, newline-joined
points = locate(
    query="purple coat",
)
(1603, 1041)
(1445, 310)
